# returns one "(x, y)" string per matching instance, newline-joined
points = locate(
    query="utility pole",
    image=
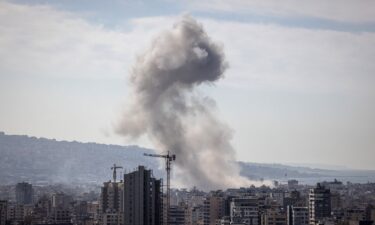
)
(168, 159)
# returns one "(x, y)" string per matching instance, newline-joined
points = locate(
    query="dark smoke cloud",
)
(166, 106)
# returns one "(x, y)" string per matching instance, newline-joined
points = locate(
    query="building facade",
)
(298, 215)
(3, 211)
(177, 215)
(61, 208)
(112, 203)
(319, 204)
(274, 216)
(142, 198)
(24, 193)
(214, 208)
(244, 211)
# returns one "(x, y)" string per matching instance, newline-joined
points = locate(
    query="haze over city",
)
(240, 112)
(297, 86)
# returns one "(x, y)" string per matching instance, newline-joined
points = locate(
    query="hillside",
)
(41, 160)
(45, 160)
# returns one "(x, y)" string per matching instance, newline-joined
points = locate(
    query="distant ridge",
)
(41, 160)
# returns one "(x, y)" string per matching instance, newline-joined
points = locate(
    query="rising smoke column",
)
(166, 106)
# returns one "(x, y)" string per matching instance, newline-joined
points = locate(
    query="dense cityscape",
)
(138, 198)
(214, 112)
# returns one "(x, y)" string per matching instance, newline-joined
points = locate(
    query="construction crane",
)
(114, 167)
(168, 159)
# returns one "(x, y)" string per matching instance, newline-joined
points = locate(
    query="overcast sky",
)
(299, 89)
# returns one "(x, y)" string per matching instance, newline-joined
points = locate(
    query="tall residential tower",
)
(24, 193)
(319, 204)
(142, 198)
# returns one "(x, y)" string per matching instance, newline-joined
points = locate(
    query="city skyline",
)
(138, 199)
(298, 89)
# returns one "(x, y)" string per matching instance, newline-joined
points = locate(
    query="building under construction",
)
(111, 201)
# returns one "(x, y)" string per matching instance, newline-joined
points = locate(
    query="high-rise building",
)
(298, 215)
(214, 208)
(142, 198)
(244, 211)
(3, 211)
(24, 193)
(111, 203)
(319, 204)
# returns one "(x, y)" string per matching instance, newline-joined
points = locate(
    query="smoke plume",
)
(166, 106)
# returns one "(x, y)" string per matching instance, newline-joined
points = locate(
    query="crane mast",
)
(168, 159)
(114, 167)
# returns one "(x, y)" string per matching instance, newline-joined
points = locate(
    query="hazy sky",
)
(300, 87)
